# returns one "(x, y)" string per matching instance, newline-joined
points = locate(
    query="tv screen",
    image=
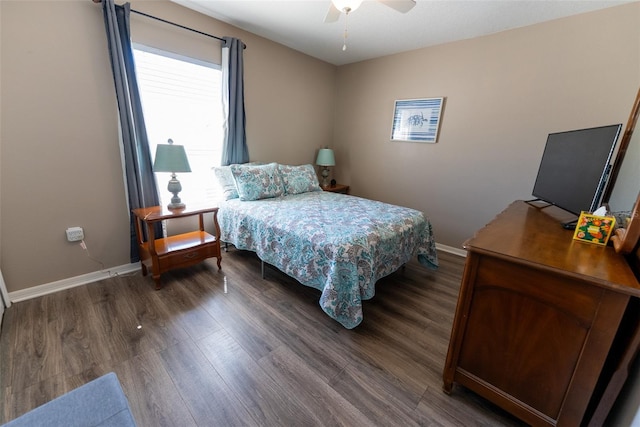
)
(575, 166)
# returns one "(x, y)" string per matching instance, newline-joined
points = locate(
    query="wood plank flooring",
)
(230, 348)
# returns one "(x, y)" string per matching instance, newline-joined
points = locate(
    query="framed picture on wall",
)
(417, 120)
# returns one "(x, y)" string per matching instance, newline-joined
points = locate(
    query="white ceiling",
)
(376, 30)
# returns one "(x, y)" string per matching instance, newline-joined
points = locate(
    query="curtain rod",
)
(176, 25)
(173, 23)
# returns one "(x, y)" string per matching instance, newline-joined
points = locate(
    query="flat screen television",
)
(575, 166)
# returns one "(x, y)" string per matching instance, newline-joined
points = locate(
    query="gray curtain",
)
(234, 148)
(140, 181)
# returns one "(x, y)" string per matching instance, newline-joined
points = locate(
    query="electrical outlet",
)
(75, 234)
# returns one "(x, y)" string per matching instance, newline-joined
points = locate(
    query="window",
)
(181, 101)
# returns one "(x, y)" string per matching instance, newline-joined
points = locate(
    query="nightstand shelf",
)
(177, 251)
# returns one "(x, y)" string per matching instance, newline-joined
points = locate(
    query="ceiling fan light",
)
(346, 5)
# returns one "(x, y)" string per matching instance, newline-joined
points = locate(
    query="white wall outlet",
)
(75, 234)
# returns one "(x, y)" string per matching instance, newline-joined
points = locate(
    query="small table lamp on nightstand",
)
(172, 158)
(325, 159)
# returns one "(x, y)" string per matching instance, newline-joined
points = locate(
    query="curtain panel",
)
(234, 148)
(138, 167)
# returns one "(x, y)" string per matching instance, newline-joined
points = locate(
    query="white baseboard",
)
(71, 282)
(451, 250)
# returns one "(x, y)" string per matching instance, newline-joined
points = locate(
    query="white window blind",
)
(181, 101)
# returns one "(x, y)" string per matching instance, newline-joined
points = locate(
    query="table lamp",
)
(172, 158)
(325, 159)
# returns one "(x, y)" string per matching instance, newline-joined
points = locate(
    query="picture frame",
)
(417, 120)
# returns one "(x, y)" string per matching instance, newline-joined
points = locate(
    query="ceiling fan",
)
(337, 7)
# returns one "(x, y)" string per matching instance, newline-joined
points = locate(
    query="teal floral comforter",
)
(339, 244)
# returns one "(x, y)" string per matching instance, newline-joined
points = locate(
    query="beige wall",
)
(504, 94)
(60, 163)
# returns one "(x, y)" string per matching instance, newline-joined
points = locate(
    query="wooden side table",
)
(338, 188)
(181, 250)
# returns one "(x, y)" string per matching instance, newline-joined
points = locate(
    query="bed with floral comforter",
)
(339, 244)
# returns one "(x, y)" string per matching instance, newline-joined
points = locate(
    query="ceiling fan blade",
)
(403, 6)
(333, 14)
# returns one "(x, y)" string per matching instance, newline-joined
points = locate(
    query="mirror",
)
(624, 183)
(623, 192)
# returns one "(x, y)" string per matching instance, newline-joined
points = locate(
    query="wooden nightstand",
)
(181, 250)
(338, 188)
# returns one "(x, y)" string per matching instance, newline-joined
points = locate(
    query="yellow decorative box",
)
(593, 228)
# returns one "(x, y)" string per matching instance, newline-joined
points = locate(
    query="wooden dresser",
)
(544, 324)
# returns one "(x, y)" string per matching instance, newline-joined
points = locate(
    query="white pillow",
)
(226, 181)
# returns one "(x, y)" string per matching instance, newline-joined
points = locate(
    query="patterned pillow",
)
(256, 182)
(299, 179)
(226, 181)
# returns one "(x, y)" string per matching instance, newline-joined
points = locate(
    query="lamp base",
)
(325, 176)
(174, 188)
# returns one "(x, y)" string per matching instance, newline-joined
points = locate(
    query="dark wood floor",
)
(230, 348)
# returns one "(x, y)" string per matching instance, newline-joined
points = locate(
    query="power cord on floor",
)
(83, 245)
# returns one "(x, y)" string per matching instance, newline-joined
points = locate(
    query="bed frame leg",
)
(262, 268)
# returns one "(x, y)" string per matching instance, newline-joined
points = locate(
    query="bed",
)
(336, 243)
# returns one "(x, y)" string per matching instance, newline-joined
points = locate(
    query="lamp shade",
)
(325, 157)
(171, 158)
